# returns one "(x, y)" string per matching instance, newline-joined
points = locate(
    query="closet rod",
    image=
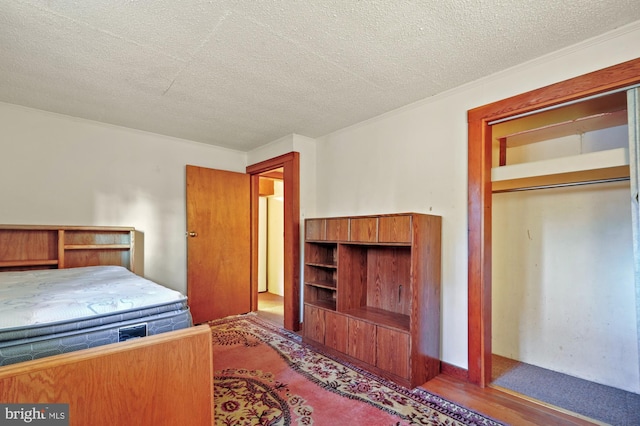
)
(561, 185)
(552, 107)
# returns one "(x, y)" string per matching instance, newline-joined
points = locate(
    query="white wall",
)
(262, 244)
(563, 282)
(307, 149)
(415, 159)
(59, 170)
(275, 240)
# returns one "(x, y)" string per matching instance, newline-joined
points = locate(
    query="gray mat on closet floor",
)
(604, 403)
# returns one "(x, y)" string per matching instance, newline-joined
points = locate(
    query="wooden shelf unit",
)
(372, 291)
(46, 247)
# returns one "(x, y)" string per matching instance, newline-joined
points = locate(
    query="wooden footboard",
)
(166, 379)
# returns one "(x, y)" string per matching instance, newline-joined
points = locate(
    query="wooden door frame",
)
(479, 197)
(290, 164)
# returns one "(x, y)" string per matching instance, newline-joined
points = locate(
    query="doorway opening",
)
(271, 246)
(287, 168)
(481, 153)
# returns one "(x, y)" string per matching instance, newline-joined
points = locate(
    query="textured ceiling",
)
(240, 74)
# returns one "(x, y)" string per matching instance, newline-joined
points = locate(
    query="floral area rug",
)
(265, 375)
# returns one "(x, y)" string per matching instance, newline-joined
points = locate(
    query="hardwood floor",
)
(271, 308)
(494, 403)
(500, 405)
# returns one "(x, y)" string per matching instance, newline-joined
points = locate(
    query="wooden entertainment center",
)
(372, 292)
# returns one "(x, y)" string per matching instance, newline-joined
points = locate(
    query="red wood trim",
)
(255, 193)
(454, 371)
(479, 269)
(272, 163)
(292, 241)
(479, 166)
(61, 248)
(607, 79)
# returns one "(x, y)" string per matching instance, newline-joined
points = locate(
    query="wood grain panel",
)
(394, 229)
(337, 229)
(352, 277)
(381, 317)
(90, 257)
(315, 229)
(362, 341)
(219, 254)
(389, 279)
(314, 325)
(336, 331)
(26, 245)
(162, 379)
(321, 254)
(364, 229)
(393, 349)
(72, 237)
(425, 316)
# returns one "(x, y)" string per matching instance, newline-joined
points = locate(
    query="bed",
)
(54, 311)
(78, 326)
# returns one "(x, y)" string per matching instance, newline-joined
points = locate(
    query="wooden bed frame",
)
(155, 380)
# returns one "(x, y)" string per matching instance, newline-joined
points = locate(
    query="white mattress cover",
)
(56, 295)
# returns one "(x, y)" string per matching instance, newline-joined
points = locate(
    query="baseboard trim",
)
(454, 371)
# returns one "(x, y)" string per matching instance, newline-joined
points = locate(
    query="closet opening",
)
(553, 233)
(563, 306)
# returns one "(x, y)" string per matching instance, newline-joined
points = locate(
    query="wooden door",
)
(218, 243)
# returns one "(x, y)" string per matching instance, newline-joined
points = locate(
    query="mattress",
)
(47, 312)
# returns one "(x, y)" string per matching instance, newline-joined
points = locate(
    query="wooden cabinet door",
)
(364, 229)
(337, 229)
(336, 331)
(219, 250)
(314, 229)
(362, 341)
(393, 351)
(394, 229)
(314, 325)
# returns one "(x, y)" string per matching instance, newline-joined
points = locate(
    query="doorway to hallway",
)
(271, 246)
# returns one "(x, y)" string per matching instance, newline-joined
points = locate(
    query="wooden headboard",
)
(27, 247)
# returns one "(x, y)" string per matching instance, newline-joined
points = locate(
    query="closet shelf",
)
(566, 128)
(610, 164)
